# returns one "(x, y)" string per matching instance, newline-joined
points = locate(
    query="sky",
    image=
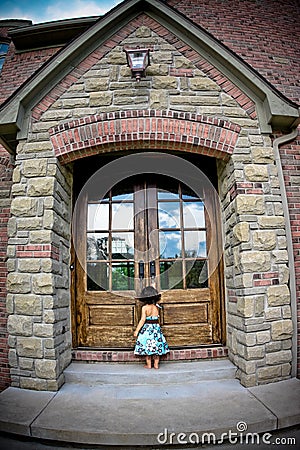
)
(49, 10)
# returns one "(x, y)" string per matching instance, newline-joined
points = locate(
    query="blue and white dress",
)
(150, 340)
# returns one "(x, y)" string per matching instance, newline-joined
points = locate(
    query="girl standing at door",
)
(150, 340)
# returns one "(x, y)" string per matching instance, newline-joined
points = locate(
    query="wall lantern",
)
(138, 59)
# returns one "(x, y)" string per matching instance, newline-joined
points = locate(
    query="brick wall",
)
(264, 33)
(290, 157)
(19, 67)
(5, 185)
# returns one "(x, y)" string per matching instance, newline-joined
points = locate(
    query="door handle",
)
(152, 269)
(141, 270)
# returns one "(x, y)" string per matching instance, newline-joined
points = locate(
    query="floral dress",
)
(151, 340)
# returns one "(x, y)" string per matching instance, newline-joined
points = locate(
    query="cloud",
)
(47, 11)
(77, 8)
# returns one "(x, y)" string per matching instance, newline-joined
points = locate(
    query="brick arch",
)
(144, 129)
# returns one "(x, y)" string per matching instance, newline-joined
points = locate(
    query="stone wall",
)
(258, 311)
(258, 299)
(6, 168)
(38, 281)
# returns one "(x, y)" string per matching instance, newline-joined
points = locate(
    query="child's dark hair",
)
(149, 295)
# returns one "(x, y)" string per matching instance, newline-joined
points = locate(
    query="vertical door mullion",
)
(153, 233)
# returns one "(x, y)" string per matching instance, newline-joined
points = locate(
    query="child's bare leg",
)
(156, 361)
(148, 362)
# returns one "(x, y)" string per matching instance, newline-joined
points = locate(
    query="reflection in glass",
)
(98, 216)
(195, 244)
(171, 275)
(170, 244)
(193, 215)
(97, 276)
(122, 216)
(196, 274)
(123, 276)
(188, 194)
(122, 246)
(169, 215)
(97, 246)
(167, 195)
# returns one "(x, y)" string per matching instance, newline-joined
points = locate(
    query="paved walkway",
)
(127, 405)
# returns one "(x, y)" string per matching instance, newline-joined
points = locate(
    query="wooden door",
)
(148, 231)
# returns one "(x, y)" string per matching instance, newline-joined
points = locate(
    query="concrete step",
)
(136, 374)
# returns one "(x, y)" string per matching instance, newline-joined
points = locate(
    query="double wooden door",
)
(150, 230)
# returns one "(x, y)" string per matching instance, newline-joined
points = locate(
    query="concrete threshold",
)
(115, 412)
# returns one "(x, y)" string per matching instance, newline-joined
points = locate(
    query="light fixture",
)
(138, 59)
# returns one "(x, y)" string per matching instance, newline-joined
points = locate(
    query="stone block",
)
(255, 261)
(30, 347)
(273, 313)
(165, 82)
(26, 363)
(19, 325)
(203, 84)
(245, 306)
(43, 283)
(34, 167)
(271, 222)
(101, 99)
(278, 295)
(241, 231)
(29, 305)
(30, 265)
(43, 330)
(269, 373)
(281, 329)
(46, 368)
(284, 356)
(18, 283)
(249, 204)
(39, 187)
(259, 305)
(281, 256)
(24, 207)
(158, 100)
(262, 155)
(40, 237)
(40, 146)
(256, 352)
(96, 84)
(263, 337)
(264, 240)
(36, 384)
(13, 358)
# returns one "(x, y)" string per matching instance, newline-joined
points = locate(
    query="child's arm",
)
(141, 322)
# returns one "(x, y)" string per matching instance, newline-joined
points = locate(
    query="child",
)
(150, 339)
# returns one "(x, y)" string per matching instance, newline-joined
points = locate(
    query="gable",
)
(273, 110)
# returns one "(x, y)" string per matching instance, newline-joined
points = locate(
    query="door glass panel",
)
(188, 194)
(97, 246)
(97, 276)
(171, 275)
(122, 216)
(167, 195)
(122, 246)
(122, 276)
(195, 244)
(193, 215)
(98, 216)
(170, 244)
(169, 215)
(196, 274)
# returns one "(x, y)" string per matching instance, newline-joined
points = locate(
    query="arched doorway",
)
(147, 229)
